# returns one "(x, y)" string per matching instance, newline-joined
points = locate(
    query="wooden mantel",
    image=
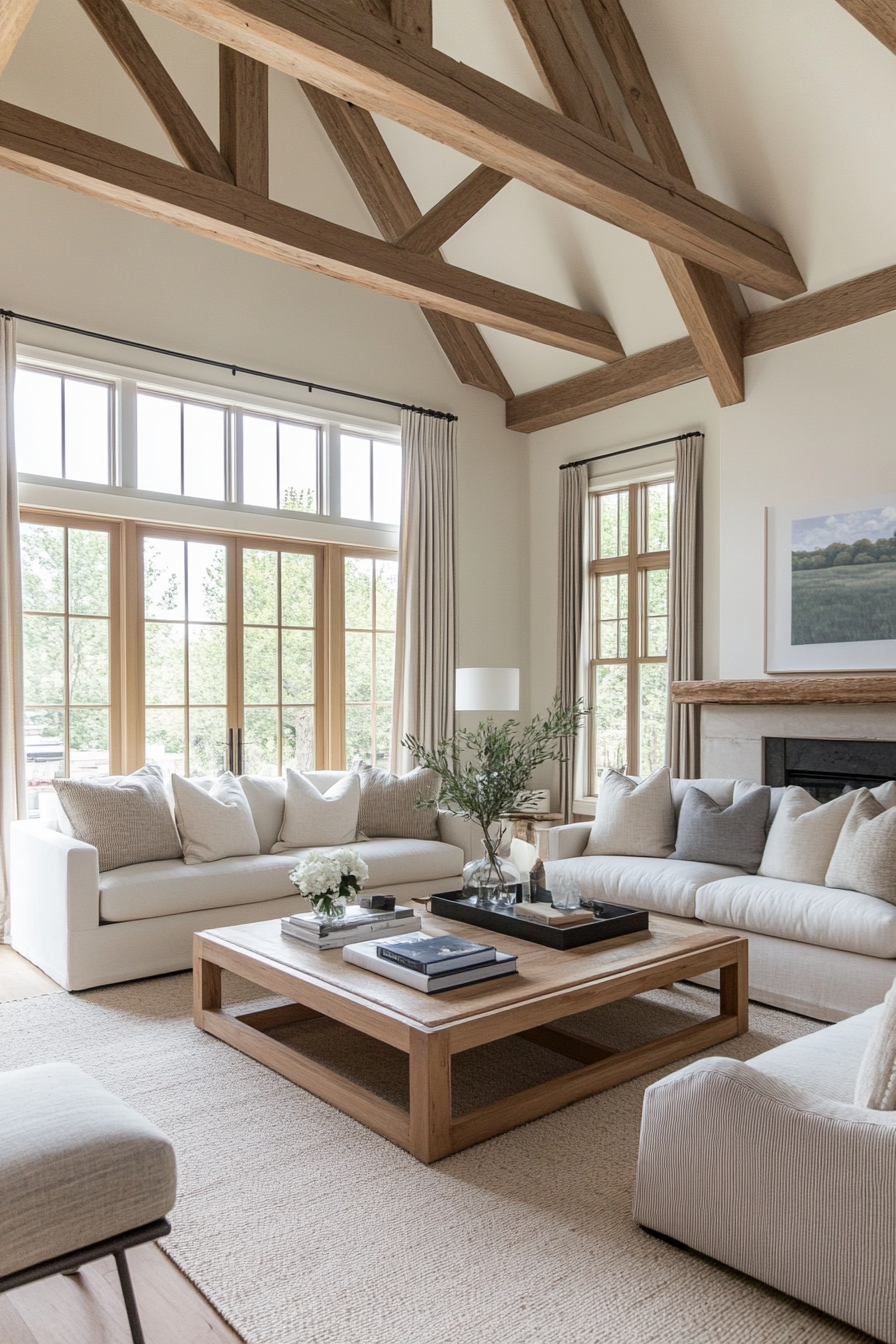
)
(877, 690)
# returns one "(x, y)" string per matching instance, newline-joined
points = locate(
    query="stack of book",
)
(431, 964)
(358, 925)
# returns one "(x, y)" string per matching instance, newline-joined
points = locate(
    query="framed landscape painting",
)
(831, 587)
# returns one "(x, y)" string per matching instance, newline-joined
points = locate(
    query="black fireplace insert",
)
(827, 768)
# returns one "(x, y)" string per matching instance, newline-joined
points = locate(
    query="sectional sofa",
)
(87, 928)
(815, 950)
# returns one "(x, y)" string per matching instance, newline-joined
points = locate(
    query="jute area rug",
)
(303, 1227)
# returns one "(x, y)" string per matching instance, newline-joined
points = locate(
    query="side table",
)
(533, 828)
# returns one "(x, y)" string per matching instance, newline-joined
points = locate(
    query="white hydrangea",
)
(323, 871)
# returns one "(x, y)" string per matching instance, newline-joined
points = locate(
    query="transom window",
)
(630, 531)
(116, 432)
(370, 479)
(63, 426)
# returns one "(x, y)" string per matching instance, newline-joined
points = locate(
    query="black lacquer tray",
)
(616, 921)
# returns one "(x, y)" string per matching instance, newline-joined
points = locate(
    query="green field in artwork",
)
(844, 604)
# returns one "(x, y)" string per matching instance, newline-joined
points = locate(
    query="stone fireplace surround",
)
(737, 716)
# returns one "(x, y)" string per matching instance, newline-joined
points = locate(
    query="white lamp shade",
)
(487, 688)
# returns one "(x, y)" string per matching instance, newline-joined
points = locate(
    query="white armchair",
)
(769, 1168)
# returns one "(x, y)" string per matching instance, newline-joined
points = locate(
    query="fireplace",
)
(828, 767)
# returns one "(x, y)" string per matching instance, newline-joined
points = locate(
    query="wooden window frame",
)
(636, 565)
(88, 522)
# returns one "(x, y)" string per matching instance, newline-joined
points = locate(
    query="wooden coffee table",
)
(430, 1029)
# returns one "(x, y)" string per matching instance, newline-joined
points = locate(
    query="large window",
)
(201, 651)
(70, 629)
(181, 447)
(630, 530)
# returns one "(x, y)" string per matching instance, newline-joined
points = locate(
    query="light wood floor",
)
(87, 1309)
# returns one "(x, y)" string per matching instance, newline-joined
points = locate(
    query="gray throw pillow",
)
(735, 835)
(389, 803)
(128, 820)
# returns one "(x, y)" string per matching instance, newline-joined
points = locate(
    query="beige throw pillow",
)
(803, 836)
(214, 822)
(313, 818)
(128, 820)
(389, 802)
(876, 1081)
(865, 855)
(632, 818)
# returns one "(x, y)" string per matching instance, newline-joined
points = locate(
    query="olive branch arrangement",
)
(485, 772)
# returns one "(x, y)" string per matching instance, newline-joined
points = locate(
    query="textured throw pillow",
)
(214, 822)
(803, 836)
(633, 818)
(389, 802)
(266, 795)
(876, 1080)
(128, 820)
(314, 818)
(735, 835)
(865, 855)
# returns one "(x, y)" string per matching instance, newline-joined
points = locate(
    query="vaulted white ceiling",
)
(785, 109)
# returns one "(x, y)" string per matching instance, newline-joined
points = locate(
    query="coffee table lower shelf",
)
(429, 1130)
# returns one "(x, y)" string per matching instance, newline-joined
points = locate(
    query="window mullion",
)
(634, 632)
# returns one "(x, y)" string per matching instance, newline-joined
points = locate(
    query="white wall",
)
(819, 423)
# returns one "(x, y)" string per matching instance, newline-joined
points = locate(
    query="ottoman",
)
(82, 1175)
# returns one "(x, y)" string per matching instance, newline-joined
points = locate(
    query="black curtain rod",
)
(222, 364)
(580, 462)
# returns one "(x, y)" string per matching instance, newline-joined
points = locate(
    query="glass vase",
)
(329, 907)
(491, 882)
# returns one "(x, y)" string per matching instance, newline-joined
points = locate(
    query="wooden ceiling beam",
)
(878, 16)
(452, 211)
(369, 63)
(638, 376)
(14, 16)
(53, 152)
(366, 157)
(414, 17)
(557, 33)
(670, 365)
(243, 113)
(189, 139)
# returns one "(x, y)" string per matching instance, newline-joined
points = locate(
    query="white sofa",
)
(771, 1168)
(814, 950)
(87, 928)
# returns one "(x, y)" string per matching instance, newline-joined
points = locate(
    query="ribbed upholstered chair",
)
(82, 1176)
(771, 1168)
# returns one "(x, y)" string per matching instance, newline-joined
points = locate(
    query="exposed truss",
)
(671, 365)
(362, 60)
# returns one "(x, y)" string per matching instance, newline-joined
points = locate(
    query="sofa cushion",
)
(710, 833)
(846, 920)
(649, 884)
(803, 836)
(825, 1062)
(214, 818)
(634, 817)
(865, 855)
(314, 818)
(148, 890)
(389, 802)
(127, 819)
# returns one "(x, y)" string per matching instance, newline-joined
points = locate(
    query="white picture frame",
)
(843, 599)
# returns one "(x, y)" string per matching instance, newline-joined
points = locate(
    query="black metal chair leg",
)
(130, 1301)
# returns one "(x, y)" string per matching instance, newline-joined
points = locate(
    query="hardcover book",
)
(433, 956)
(366, 956)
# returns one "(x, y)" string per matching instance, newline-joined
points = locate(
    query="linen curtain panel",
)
(426, 620)
(683, 744)
(572, 625)
(12, 713)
